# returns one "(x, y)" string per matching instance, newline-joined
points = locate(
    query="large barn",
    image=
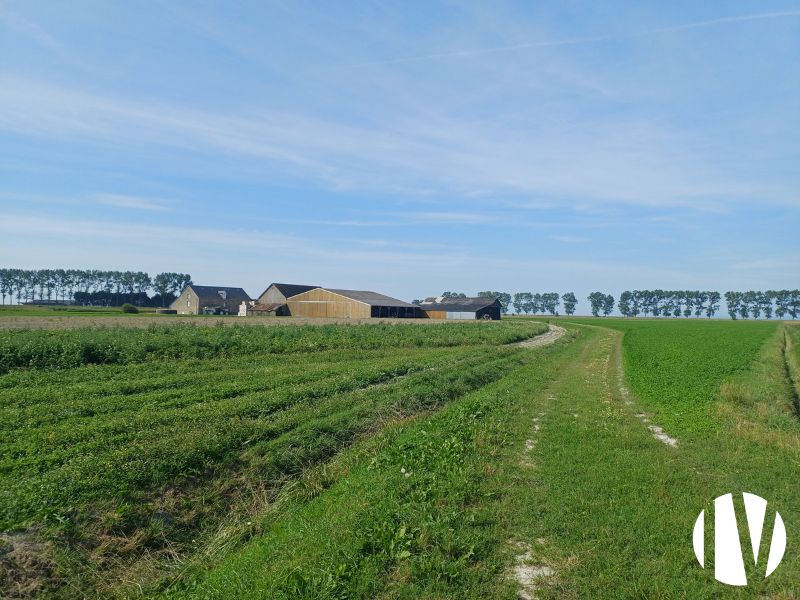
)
(324, 302)
(209, 300)
(461, 308)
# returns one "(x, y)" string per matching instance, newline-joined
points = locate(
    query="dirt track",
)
(551, 336)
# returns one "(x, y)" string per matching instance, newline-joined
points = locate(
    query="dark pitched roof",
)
(458, 304)
(290, 289)
(371, 298)
(209, 291)
(266, 307)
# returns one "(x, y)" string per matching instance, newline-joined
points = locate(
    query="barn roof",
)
(209, 291)
(266, 307)
(290, 289)
(458, 304)
(371, 298)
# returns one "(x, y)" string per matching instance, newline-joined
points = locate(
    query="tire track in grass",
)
(628, 399)
(586, 416)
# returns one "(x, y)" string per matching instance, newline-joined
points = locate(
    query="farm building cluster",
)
(281, 299)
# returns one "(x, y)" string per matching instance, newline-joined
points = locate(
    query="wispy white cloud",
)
(135, 202)
(422, 246)
(570, 239)
(607, 160)
(779, 262)
(466, 53)
(710, 22)
(332, 223)
(578, 40)
(440, 218)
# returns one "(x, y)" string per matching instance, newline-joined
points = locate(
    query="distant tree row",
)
(744, 304)
(601, 302)
(660, 303)
(527, 302)
(91, 287)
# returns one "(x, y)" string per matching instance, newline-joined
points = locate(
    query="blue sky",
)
(405, 147)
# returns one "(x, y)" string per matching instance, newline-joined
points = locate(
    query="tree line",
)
(91, 287)
(659, 303)
(668, 303)
(744, 304)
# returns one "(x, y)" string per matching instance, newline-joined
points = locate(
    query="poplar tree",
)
(732, 302)
(519, 301)
(608, 305)
(570, 302)
(635, 299)
(624, 306)
(713, 304)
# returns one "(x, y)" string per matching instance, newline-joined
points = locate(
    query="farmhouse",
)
(209, 300)
(324, 302)
(461, 308)
(277, 293)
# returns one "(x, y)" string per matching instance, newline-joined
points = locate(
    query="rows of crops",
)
(83, 449)
(72, 435)
(67, 349)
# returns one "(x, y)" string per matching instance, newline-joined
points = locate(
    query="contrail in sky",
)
(581, 40)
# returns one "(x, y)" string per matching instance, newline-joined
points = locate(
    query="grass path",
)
(599, 510)
(606, 511)
(554, 332)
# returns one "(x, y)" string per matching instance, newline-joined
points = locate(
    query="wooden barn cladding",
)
(322, 302)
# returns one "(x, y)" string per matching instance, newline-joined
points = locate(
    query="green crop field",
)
(677, 366)
(404, 461)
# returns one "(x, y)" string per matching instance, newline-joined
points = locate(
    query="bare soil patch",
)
(23, 563)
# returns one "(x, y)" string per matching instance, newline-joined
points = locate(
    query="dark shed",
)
(461, 308)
